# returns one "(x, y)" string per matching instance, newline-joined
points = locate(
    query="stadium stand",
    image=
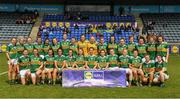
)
(14, 25)
(164, 24)
(123, 31)
(99, 18)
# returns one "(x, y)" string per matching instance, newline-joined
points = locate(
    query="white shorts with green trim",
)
(13, 61)
(24, 72)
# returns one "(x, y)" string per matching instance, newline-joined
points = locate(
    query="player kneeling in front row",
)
(160, 76)
(102, 60)
(124, 65)
(59, 65)
(36, 66)
(23, 67)
(148, 70)
(70, 61)
(91, 60)
(80, 60)
(49, 66)
(136, 67)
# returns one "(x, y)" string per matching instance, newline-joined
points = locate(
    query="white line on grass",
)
(3, 73)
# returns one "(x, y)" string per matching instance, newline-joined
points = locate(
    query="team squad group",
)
(40, 62)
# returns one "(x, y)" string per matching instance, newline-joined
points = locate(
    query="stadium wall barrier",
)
(68, 24)
(90, 78)
(148, 9)
(8, 7)
(32, 7)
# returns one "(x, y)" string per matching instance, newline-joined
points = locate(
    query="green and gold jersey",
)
(40, 48)
(102, 60)
(60, 60)
(151, 49)
(70, 60)
(12, 50)
(55, 48)
(20, 49)
(121, 48)
(24, 62)
(130, 47)
(102, 47)
(65, 47)
(113, 46)
(113, 60)
(91, 60)
(148, 65)
(160, 65)
(46, 48)
(30, 48)
(80, 60)
(142, 50)
(49, 61)
(35, 63)
(135, 61)
(74, 48)
(162, 49)
(124, 61)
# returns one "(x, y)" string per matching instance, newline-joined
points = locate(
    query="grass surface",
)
(172, 88)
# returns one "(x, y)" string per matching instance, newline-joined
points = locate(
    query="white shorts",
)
(156, 78)
(33, 74)
(23, 72)
(114, 68)
(128, 70)
(47, 69)
(13, 61)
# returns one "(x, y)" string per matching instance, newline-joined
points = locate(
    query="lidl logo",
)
(88, 75)
(93, 75)
(175, 49)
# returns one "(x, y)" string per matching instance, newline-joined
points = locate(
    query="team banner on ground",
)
(93, 78)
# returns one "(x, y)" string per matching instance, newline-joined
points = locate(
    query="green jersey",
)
(65, 47)
(121, 48)
(113, 60)
(162, 49)
(102, 47)
(24, 62)
(124, 61)
(12, 50)
(35, 63)
(102, 60)
(113, 46)
(20, 49)
(49, 61)
(91, 59)
(136, 61)
(74, 48)
(148, 65)
(30, 48)
(80, 61)
(60, 60)
(160, 64)
(70, 60)
(55, 48)
(40, 48)
(151, 49)
(130, 47)
(142, 50)
(46, 48)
